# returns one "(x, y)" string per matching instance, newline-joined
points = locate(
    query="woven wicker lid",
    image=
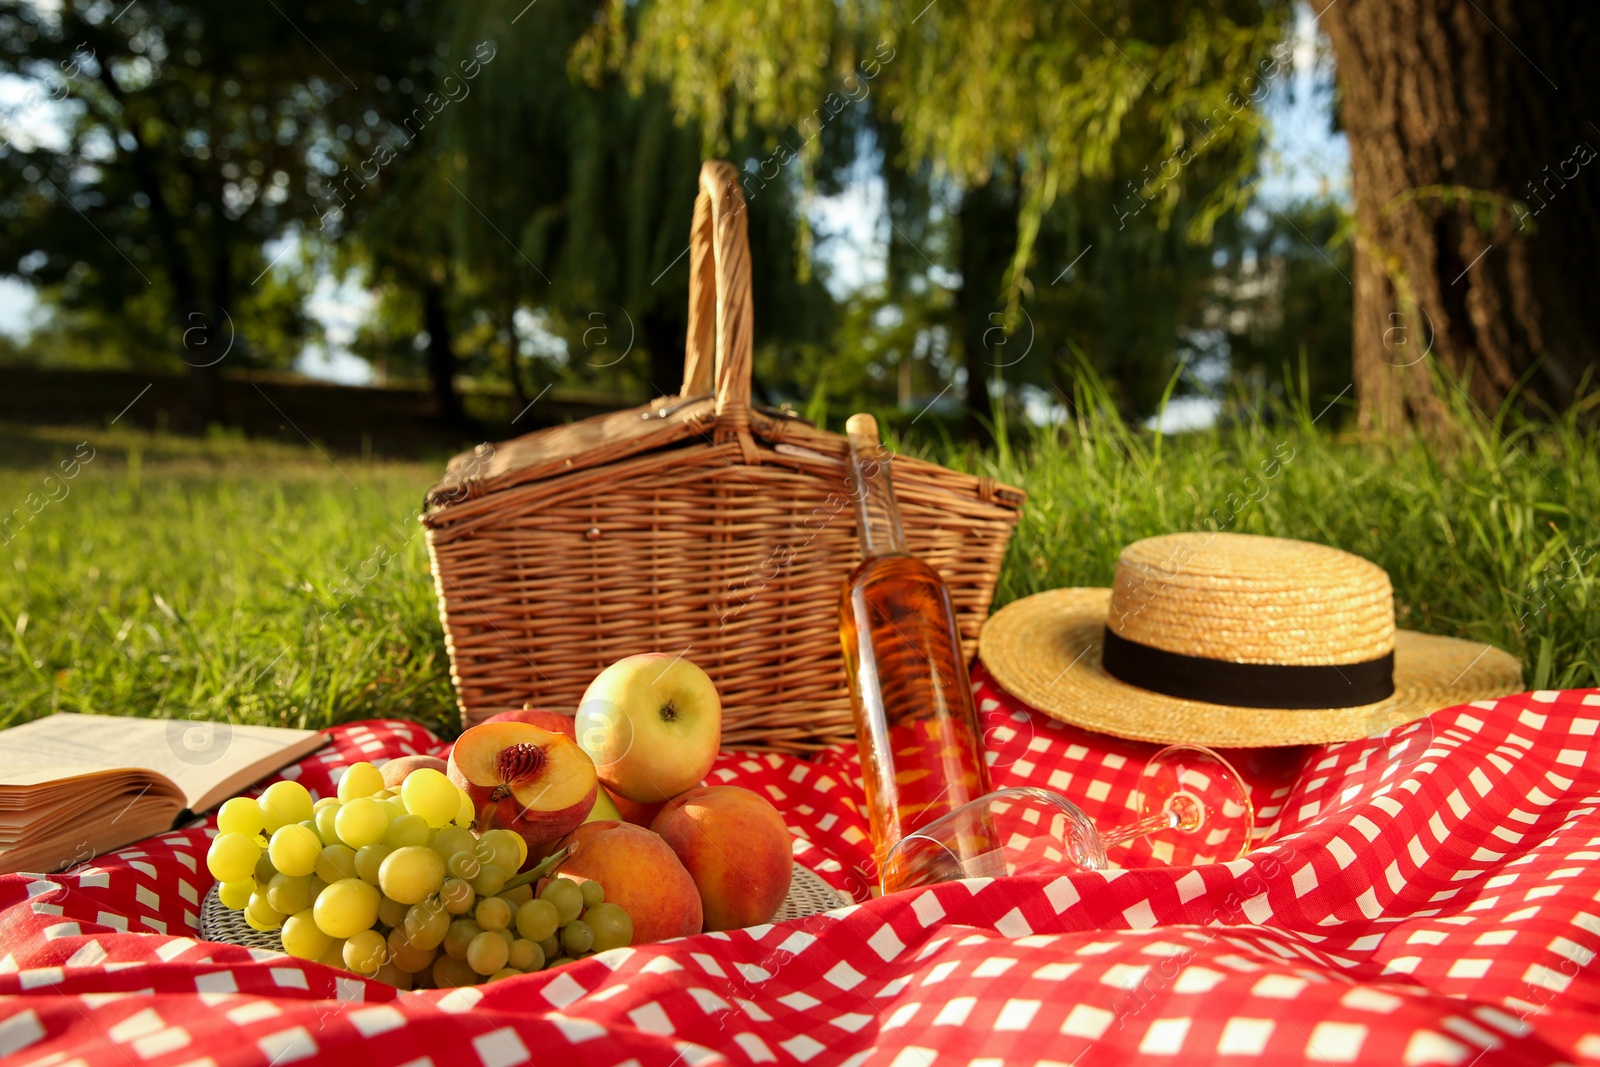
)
(1213, 602)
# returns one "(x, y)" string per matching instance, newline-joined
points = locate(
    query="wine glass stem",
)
(1150, 824)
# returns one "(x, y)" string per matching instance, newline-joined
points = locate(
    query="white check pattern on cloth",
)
(1429, 897)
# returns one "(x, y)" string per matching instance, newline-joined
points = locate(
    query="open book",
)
(74, 786)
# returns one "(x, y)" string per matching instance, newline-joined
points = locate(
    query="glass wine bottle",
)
(921, 748)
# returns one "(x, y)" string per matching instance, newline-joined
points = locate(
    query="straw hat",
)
(1236, 641)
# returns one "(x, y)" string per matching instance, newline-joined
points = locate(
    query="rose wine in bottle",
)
(921, 749)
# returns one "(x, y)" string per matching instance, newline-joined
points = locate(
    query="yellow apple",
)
(652, 724)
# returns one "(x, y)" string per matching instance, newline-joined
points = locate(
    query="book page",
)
(205, 760)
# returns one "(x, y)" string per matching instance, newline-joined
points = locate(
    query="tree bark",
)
(1477, 201)
(987, 222)
(441, 352)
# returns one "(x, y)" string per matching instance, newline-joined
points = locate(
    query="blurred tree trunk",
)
(1477, 199)
(662, 331)
(441, 351)
(514, 359)
(987, 222)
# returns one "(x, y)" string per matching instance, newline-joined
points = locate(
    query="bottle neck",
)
(877, 515)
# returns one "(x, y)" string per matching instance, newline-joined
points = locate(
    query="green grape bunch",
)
(396, 886)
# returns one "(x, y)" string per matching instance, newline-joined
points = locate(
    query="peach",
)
(554, 721)
(735, 846)
(640, 873)
(522, 778)
(633, 811)
(395, 771)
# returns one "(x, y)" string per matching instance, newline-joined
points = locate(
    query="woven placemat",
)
(808, 895)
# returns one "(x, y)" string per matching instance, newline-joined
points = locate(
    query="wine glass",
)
(1193, 809)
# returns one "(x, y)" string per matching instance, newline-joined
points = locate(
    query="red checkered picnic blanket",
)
(1429, 897)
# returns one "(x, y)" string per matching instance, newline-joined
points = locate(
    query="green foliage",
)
(973, 88)
(191, 134)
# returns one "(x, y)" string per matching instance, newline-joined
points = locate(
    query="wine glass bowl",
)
(1193, 809)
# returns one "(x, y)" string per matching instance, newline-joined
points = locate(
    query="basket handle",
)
(718, 346)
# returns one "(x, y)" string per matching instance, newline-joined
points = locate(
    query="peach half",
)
(522, 778)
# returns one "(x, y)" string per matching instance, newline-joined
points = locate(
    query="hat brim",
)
(1045, 650)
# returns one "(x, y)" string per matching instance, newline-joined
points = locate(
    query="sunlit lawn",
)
(264, 583)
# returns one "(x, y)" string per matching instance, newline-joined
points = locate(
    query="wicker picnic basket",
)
(694, 525)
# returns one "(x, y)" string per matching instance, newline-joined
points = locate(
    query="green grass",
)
(262, 583)
(216, 578)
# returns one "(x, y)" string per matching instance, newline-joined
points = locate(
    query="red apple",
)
(519, 777)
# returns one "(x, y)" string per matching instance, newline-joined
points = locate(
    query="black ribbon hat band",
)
(1248, 685)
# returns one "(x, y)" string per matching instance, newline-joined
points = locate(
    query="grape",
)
(426, 925)
(490, 880)
(301, 938)
(464, 865)
(241, 815)
(551, 947)
(406, 830)
(593, 892)
(430, 794)
(504, 972)
(502, 846)
(559, 961)
(256, 924)
(395, 806)
(517, 896)
(335, 862)
(311, 824)
(452, 839)
(525, 955)
(493, 913)
(566, 896)
(537, 920)
(369, 862)
(390, 975)
(409, 874)
(361, 822)
(289, 894)
(235, 895)
(406, 956)
(391, 912)
(327, 823)
(577, 938)
(612, 926)
(365, 952)
(294, 850)
(323, 802)
(232, 857)
(283, 803)
(449, 972)
(334, 957)
(465, 815)
(462, 931)
(360, 780)
(457, 896)
(264, 868)
(261, 909)
(346, 907)
(487, 952)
